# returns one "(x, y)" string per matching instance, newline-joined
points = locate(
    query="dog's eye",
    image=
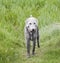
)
(30, 23)
(34, 23)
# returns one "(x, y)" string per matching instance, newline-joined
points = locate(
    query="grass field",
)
(13, 14)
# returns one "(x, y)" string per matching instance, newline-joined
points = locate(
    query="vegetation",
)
(13, 14)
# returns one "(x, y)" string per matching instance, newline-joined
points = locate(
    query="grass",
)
(12, 20)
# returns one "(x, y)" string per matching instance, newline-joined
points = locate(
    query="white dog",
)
(31, 33)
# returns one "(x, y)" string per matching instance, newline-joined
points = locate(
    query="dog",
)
(31, 33)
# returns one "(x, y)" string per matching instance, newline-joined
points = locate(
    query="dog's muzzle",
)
(33, 30)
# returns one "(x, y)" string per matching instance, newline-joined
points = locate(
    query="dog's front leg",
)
(34, 43)
(28, 47)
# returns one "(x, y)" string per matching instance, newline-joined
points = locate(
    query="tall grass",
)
(13, 14)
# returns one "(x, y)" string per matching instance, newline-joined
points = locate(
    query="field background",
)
(13, 14)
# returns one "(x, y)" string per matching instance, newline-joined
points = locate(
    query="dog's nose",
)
(32, 29)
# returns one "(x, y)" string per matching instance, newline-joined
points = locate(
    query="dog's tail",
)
(30, 15)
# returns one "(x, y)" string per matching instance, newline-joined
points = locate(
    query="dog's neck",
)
(31, 34)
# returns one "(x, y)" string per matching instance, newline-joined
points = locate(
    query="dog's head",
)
(31, 24)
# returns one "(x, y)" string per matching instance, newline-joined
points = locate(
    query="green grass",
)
(13, 14)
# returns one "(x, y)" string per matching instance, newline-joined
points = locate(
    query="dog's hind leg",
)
(38, 38)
